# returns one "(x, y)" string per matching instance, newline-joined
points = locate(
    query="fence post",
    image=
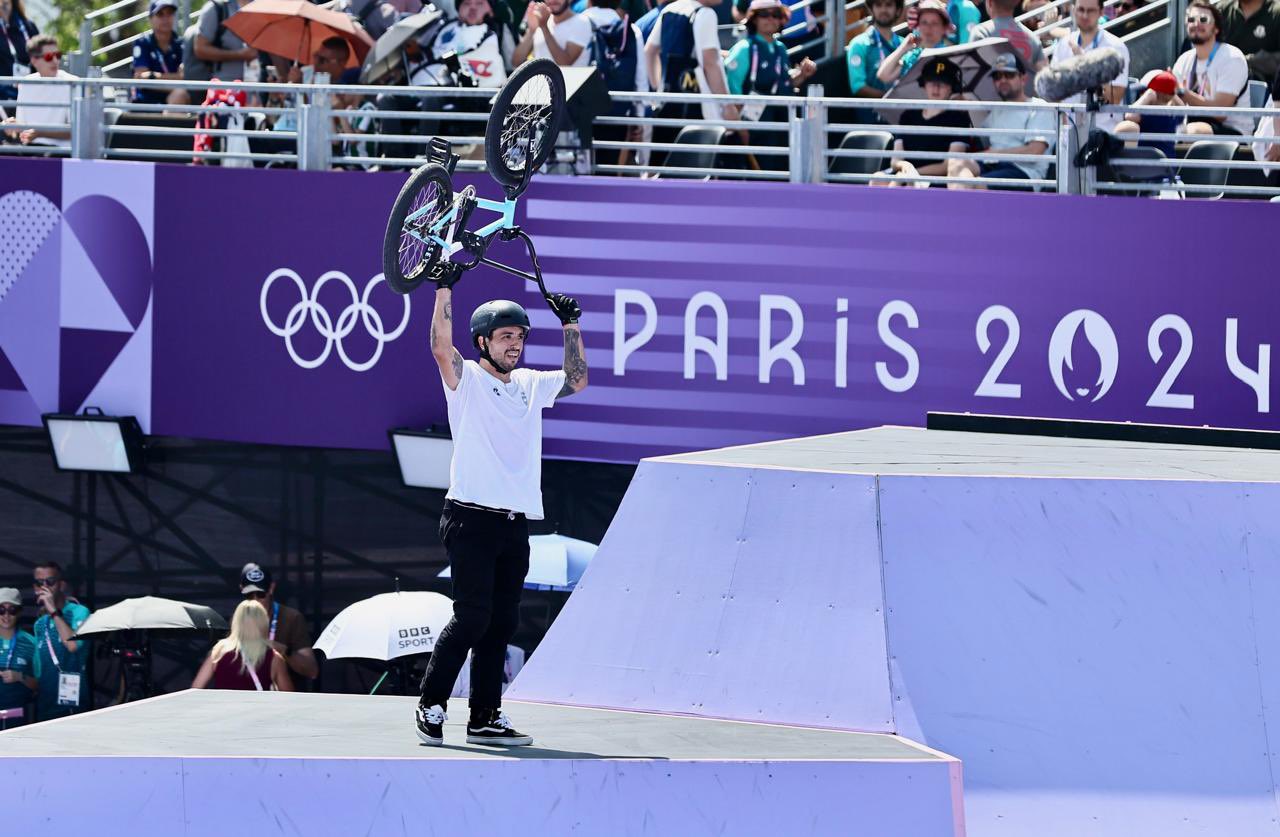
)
(79, 61)
(313, 129)
(808, 136)
(86, 122)
(835, 22)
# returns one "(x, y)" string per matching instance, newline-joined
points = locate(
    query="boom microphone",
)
(1087, 71)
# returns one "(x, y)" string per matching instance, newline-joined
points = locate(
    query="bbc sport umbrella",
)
(555, 562)
(974, 60)
(152, 613)
(387, 626)
(294, 29)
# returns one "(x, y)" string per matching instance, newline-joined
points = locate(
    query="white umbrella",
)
(387, 626)
(555, 562)
(152, 613)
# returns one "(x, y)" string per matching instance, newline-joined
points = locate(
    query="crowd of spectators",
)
(678, 46)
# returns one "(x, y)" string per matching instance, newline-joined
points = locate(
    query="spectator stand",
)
(108, 44)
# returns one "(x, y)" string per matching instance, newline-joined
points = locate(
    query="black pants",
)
(489, 554)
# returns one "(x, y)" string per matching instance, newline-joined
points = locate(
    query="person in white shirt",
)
(44, 104)
(553, 30)
(1088, 36)
(495, 488)
(1212, 74)
(683, 40)
(1035, 126)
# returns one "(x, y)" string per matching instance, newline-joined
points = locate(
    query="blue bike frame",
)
(506, 209)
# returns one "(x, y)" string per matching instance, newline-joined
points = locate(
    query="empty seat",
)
(694, 158)
(153, 142)
(862, 141)
(1196, 176)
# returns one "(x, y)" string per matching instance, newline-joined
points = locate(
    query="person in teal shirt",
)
(62, 682)
(17, 661)
(867, 50)
(964, 16)
(759, 63)
(932, 24)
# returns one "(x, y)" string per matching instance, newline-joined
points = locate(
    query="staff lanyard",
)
(164, 65)
(275, 618)
(755, 65)
(1195, 66)
(1097, 36)
(881, 44)
(48, 628)
(13, 649)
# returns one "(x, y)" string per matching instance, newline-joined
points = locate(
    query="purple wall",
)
(1123, 308)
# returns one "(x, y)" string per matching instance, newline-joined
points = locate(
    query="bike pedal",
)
(440, 151)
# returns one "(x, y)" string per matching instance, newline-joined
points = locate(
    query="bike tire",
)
(407, 261)
(534, 93)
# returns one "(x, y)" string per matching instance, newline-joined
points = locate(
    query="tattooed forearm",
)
(575, 364)
(442, 327)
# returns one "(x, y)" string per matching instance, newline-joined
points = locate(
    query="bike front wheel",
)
(524, 122)
(408, 254)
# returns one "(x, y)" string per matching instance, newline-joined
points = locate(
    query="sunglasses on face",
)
(50, 56)
(772, 15)
(9, 610)
(254, 597)
(46, 582)
(998, 76)
(1192, 20)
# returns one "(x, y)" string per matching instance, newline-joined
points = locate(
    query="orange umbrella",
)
(295, 29)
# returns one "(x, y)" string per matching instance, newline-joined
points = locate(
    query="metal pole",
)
(91, 545)
(1067, 181)
(317, 612)
(814, 133)
(835, 20)
(314, 129)
(86, 122)
(80, 60)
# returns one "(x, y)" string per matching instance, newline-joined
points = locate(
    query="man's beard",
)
(885, 23)
(1010, 96)
(1198, 40)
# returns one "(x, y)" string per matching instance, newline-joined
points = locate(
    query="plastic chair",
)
(862, 141)
(1258, 94)
(1194, 176)
(694, 158)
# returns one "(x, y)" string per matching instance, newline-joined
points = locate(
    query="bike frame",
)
(506, 209)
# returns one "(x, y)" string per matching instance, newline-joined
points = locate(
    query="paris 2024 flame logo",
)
(1069, 354)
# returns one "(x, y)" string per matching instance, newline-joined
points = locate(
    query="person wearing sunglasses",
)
(43, 104)
(62, 686)
(17, 661)
(1212, 74)
(287, 630)
(1032, 131)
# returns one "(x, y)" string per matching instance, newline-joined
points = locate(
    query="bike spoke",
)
(414, 252)
(530, 107)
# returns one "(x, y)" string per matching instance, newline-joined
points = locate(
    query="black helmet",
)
(496, 314)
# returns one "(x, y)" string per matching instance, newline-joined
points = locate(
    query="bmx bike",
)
(428, 226)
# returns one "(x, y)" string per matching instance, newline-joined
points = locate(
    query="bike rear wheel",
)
(524, 122)
(408, 260)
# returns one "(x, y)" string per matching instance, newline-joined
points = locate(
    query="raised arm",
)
(566, 308)
(448, 358)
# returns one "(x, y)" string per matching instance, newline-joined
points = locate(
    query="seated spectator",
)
(15, 30)
(44, 104)
(942, 80)
(1036, 128)
(932, 24)
(1088, 36)
(1161, 91)
(1125, 26)
(552, 30)
(216, 45)
(1212, 74)
(62, 686)
(1253, 27)
(1002, 25)
(481, 43)
(1045, 19)
(17, 661)
(1269, 129)
(287, 632)
(867, 51)
(331, 59)
(245, 660)
(157, 55)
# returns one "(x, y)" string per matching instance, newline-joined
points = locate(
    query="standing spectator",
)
(759, 63)
(616, 50)
(62, 685)
(942, 80)
(1212, 74)
(44, 104)
(157, 55)
(650, 19)
(15, 31)
(867, 51)
(245, 660)
(17, 661)
(1088, 37)
(1253, 27)
(218, 46)
(682, 55)
(1002, 25)
(932, 24)
(552, 30)
(1161, 91)
(287, 632)
(1036, 129)
(964, 16)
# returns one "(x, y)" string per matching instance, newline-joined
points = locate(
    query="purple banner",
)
(716, 313)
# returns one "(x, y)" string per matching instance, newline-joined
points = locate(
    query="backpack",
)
(194, 69)
(679, 56)
(615, 54)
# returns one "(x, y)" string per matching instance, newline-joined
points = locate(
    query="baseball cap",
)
(10, 595)
(1007, 62)
(940, 69)
(933, 6)
(254, 579)
(157, 5)
(1161, 81)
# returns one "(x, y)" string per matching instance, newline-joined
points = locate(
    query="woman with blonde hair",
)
(244, 660)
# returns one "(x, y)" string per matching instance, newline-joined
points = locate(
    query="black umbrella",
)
(974, 60)
(388, 51)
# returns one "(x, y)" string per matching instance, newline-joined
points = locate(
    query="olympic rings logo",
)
(309, 308)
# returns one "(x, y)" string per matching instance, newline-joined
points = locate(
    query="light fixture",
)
(94, 442)
(423, 456)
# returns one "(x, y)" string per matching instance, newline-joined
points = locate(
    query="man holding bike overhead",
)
(495, 488)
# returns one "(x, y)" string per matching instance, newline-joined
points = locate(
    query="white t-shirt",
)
(572, 30)
(1226, 71)
(477, 48)
(705, 37)
(32, 98)
(497, 437)
(1103, 40)
(604, 18)
(1037, 124)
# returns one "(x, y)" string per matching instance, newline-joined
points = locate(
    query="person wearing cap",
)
(287, 630)
(158, 55)
(868, 50)
(17, 661)
(1029, 131)
(1162, 91)
(62, 685)
(941, 80)
(1087, 37)
(932, 24)
(495, 489)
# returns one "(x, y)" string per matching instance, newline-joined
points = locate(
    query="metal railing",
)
(800, 139)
